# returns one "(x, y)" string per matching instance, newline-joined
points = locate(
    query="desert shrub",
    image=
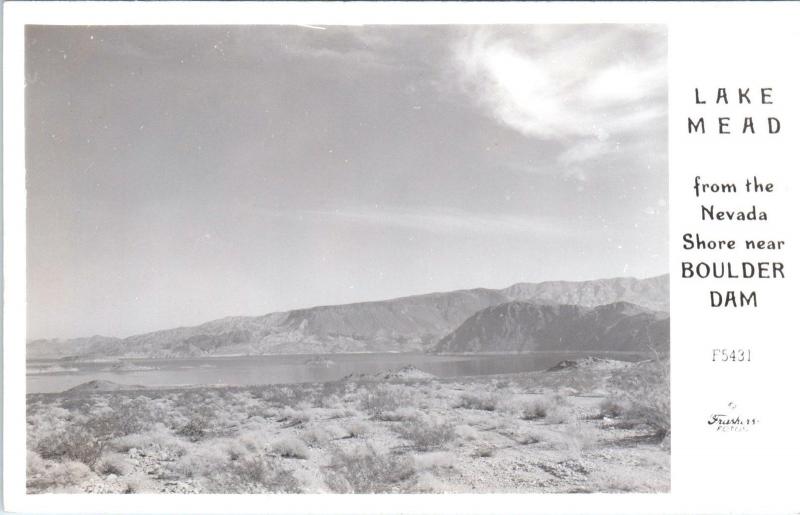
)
(327, 395)
(260, 411)
(574, 438)
(316, 436)
(340, 413)
(55, 476)
(363, 470)
(79, 405)
(290, 447)
(158, 435)
(427, 433)
(250, 470)
(479, 401)
(536, 409)
(629, 479)
(646, 389)
(75, 443)
(250, 475)
(231, 466)
(554, 408)
(384, 398)
(195, 429)
(304, 406)
(529, 438)
(501, 384)
(560, 415)
(466, 432)
(138, 484)
(253, 441)
(434, 460)
(124, 417)
(206, 414)
(235, 449)
(611, 408)
(279, 396)
(45, 422)
(653, 412)
(330, 402)
(484, 451)
(34, 464)
(112, 464)
(429, 484)
(623, 423)
(202, 462)
(113, 424)
(354, 429)
(291, 417)
(253, 423)
(399, 414)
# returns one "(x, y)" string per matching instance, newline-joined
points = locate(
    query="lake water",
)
(45, 376)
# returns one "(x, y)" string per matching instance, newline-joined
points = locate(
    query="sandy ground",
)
(597, 426)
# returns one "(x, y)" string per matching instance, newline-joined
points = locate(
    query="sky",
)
(177, 175)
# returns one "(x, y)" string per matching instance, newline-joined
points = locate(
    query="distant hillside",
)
(102, 386)
(524, 326)
(405, 324)
(651, 293)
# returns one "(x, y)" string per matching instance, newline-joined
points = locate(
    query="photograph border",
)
(688, 16)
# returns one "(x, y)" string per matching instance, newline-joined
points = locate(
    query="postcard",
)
(400, 257)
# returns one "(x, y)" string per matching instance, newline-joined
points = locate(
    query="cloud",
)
(585, 86)
(443, 221)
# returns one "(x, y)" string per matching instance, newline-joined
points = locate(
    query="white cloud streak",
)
(573, 85)
(442, 221)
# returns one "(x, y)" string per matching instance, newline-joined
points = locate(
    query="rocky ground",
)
(590, 426)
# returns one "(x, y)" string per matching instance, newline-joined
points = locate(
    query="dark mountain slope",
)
(525, 326)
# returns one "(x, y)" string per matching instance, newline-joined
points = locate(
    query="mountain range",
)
(524, 316)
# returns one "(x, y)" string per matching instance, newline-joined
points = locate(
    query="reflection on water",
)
(54, 376)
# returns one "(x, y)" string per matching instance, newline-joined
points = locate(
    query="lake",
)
(46, 376)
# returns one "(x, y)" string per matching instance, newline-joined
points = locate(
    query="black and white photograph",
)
(346, 259)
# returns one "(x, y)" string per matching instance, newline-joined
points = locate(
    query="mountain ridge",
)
(410, 323)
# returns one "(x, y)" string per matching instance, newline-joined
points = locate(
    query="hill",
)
(525, 326)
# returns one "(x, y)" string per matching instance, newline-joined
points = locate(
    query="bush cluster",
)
(363, 470)
(75, 443)
(385, 398)
(426, 433)
(485, 402)
(646, 391)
